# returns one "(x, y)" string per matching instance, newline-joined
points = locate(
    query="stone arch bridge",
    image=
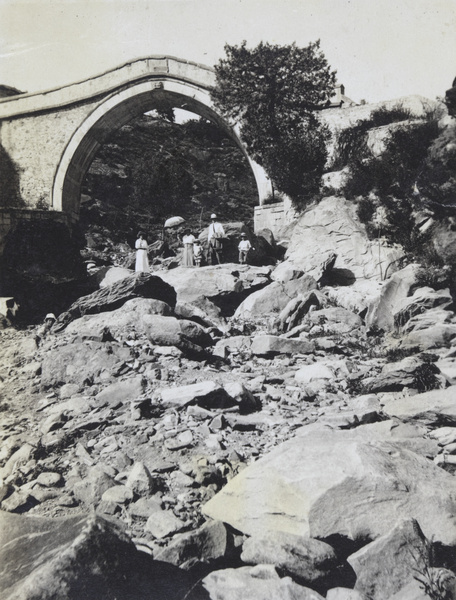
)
(48, 139)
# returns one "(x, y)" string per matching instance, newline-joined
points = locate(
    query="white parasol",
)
(173, 222)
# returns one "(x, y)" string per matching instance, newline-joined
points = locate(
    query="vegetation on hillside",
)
(273, 93)
(153, 168)
(413, 179)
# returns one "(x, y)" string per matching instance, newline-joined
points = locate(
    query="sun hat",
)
(50, 316)
(213, 216)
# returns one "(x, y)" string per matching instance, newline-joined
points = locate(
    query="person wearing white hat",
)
(215, 236)
(244, 247)
(42, 332)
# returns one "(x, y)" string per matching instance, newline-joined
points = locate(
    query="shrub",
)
(435, 276)
(425, 377)
(384, 115)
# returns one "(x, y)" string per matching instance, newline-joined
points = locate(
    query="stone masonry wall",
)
(35, 145)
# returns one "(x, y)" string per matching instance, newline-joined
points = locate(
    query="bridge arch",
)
(119, 107)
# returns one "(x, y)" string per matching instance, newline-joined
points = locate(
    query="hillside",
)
(152, 169)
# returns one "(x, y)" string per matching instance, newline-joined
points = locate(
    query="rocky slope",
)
(240, 432)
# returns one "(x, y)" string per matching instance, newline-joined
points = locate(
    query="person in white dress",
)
(142, 261)
(215, 236)
(188, 240)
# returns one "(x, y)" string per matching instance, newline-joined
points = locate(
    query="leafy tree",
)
(273, 92)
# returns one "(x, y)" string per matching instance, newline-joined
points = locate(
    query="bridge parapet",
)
(104, 83)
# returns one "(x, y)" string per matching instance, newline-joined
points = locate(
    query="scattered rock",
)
(163, 523)
(264, 345)
(256, 583)
(307, 560)
(384, 566)
(204, 545)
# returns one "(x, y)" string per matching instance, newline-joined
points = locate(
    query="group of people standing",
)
(193, 251)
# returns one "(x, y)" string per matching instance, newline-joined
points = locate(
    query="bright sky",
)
(381, 49)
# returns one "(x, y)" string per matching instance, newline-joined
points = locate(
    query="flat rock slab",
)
(121, 321)
(431, 408)
(121, 392)
(215, 281)
(139, 285)
(207, 394)
(310, 485)
(262, 345)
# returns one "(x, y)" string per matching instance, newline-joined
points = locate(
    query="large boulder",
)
(120, 322)
(138, 285)
(310, 485)
(381, 311)
(204, 545)
(226, 285)
(255, 583)
(436, 407)
(308, 560)
(169, 331)
(263, 249)
(274, 297)
(81, 557)
(422, 300)
(386, 565)
(333, 227)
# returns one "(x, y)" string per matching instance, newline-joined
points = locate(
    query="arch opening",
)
(119, 109)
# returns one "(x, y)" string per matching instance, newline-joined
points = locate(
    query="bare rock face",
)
(333, 227)
(139, 285)
(311, 484)
(41, 264)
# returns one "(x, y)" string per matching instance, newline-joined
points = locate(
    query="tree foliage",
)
(273, 92)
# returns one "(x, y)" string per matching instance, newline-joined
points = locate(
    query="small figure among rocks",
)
(244, 247)
(215, 237)
(44, 329)
(197, 252)
(188, 239)
(142, 260)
